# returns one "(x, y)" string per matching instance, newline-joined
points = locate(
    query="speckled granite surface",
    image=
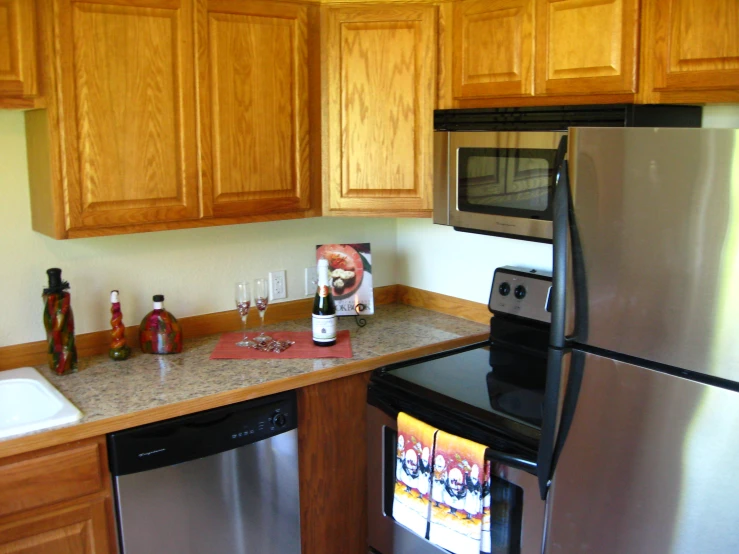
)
(105, 389)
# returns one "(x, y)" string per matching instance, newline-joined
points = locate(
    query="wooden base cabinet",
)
(57, 501)
(380, 97)
(18, 61)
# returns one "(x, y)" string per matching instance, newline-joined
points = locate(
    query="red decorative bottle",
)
(59, 324)
(160, 332)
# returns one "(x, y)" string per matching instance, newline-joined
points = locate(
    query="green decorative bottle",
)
(59, 324)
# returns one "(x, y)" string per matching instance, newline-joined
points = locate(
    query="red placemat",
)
(226, 348)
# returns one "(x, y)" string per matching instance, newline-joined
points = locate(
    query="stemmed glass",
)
(243, 303)
(261, 298)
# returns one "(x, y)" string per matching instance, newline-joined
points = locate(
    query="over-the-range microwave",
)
(495, 168)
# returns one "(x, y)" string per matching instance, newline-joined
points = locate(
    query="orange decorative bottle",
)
(119, 350)
(160, 332)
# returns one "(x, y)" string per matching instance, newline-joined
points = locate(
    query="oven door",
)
(517, 516)
(501, 182)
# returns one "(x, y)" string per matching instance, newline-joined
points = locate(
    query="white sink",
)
(28, 402)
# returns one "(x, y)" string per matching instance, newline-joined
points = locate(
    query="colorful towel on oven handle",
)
(411, 501)
(457, 514)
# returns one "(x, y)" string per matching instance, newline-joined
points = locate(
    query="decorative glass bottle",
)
(59, 324)
(160, 332)
(119, 350)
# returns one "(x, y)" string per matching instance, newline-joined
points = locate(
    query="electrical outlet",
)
(277, 285)
(311, 280)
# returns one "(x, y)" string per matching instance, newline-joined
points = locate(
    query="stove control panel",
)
(521, 292)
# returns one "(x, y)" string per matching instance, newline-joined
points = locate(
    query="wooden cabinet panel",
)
(18, 64)
(381, 96)
(254, 106)
(586, 46)
(695, 44)
(127, 80)
(332, 431)
(494, 45)
(79, 529)
(39, 481)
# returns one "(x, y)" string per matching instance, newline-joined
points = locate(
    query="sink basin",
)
(28, 402)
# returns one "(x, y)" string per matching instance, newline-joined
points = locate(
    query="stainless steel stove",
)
(491, 393)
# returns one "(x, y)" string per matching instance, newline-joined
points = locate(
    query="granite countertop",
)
(145, 388)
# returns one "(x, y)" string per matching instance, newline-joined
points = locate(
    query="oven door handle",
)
(510, 460)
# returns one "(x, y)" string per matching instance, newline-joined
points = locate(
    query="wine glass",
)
(243, 303)
(261, 298)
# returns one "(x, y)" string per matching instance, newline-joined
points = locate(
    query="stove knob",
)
(279, 420)
(520, 292)
(504, 289)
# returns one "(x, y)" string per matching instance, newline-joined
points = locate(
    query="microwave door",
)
(501, 182)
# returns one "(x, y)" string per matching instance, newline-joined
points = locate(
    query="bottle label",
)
(324, 328)
(323, 291)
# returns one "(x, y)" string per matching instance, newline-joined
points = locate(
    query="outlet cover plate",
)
(277, 285)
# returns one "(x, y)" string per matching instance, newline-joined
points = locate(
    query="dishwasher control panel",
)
(201, 434)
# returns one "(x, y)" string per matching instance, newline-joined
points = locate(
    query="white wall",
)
(440, 259)
(195, 268)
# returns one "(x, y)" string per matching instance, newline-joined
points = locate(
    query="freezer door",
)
(656, 221)
(649, 466)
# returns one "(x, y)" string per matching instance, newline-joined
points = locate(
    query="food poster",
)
(350, 273)
(413, 473)
(456, 493)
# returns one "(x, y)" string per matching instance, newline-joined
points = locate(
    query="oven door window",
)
(504, 500)
(515, 182)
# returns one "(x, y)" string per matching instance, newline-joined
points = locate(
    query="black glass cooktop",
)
(493, 386)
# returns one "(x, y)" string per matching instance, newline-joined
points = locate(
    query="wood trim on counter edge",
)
(54, 437)
(436, 302)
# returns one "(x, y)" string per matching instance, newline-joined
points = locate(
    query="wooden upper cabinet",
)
(18, 63)
(494, 48)
(693, 46)
(586, 46)
(123, 117)
(381, 94)
(254, 96)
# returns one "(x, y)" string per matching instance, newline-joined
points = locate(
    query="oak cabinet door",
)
(695, 44)
(493, 48)
(18, 64)
(586, 46)
(128, 104)
(79, 529)
(381, 97)
(254, 107)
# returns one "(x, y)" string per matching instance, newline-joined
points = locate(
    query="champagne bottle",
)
(324, 310)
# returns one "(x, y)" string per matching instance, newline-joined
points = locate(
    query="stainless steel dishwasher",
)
(223, 481)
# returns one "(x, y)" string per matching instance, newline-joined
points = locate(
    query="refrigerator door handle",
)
(560, 223)
(545, 456)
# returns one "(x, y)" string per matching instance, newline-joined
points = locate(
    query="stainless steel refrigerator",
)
(640, 443)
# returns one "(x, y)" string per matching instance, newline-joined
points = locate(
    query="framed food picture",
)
(350, 272)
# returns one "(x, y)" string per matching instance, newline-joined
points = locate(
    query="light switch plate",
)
(311, 280)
